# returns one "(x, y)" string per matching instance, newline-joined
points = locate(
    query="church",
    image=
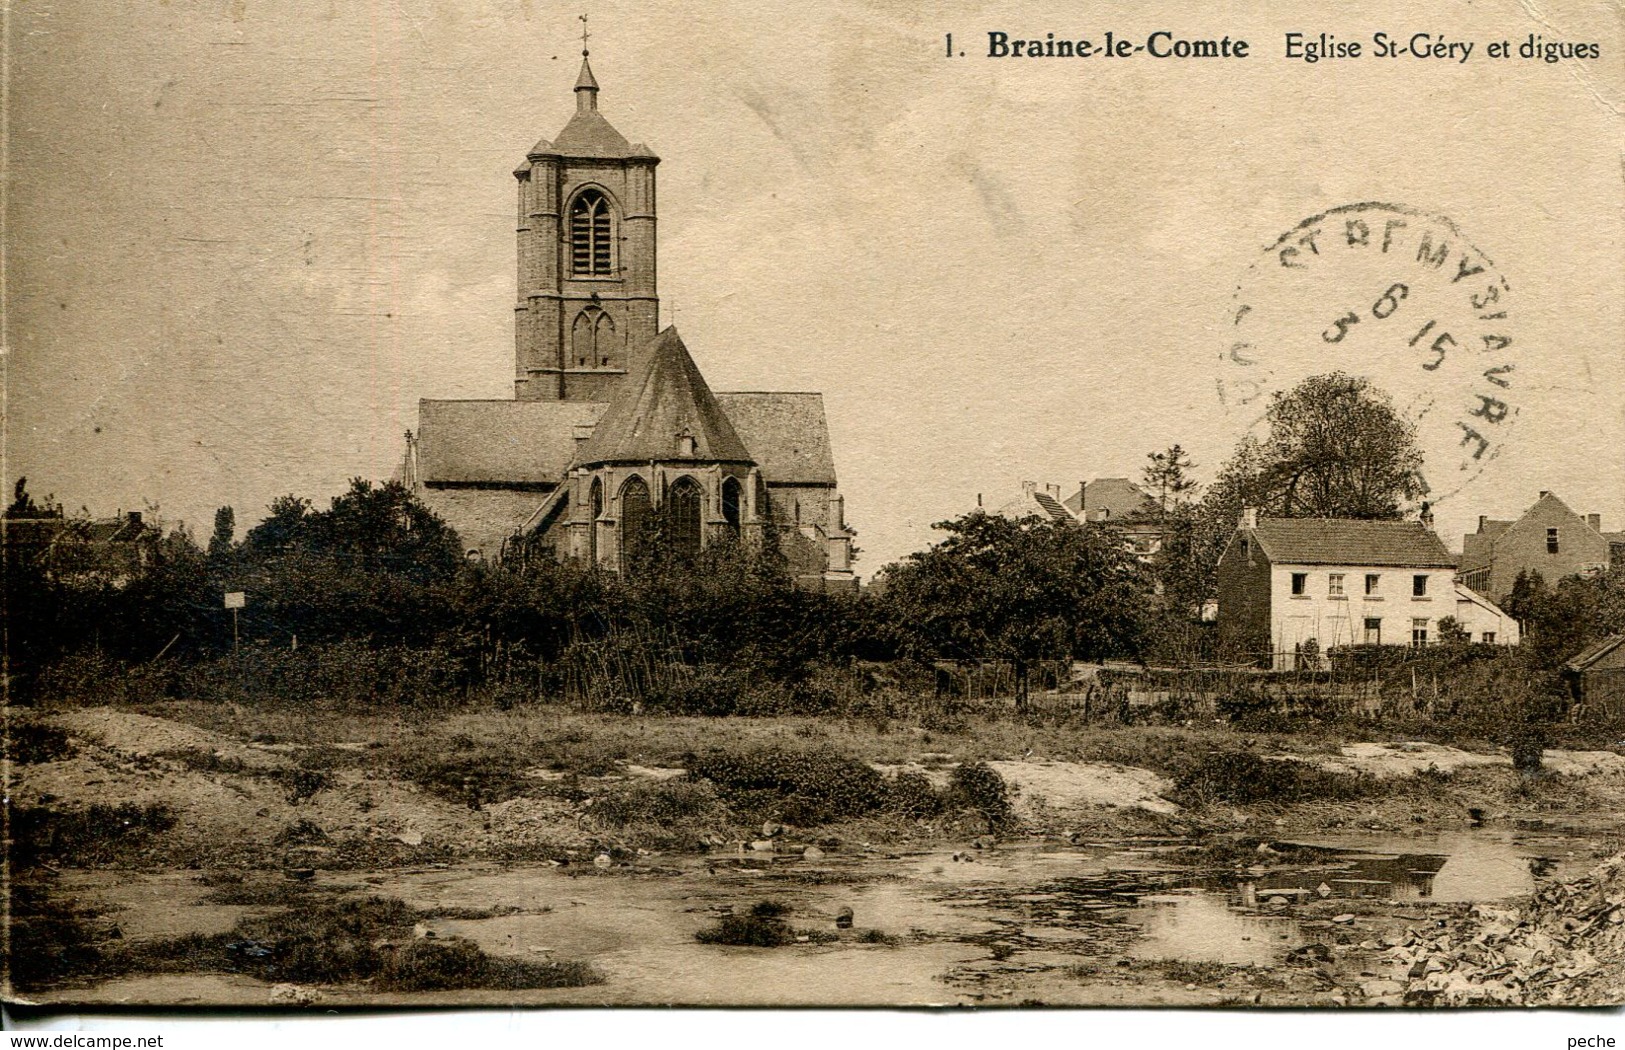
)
(612, 428)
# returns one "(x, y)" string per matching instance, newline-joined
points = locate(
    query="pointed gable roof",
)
(663, 399)
(588, 135)
(1347, 541)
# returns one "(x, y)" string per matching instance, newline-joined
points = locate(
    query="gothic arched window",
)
(592, 338)
(596, 506)
(732, 498)
(683, 511)
(635, 513)
(591, 232)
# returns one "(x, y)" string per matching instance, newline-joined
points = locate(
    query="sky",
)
(244, 239)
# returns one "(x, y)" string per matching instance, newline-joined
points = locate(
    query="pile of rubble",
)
(1565, 948)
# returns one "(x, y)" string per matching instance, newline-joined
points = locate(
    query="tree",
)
(1335, 448)
(1338, 449)
(23, 505)
(223, 540)
(1021, 591)
(1167, 475)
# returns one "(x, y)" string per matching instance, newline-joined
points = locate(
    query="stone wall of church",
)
(552, 299)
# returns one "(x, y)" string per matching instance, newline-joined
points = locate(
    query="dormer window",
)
(590, 235)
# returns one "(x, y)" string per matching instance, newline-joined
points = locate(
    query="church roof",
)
(499, 442)
(588, 134)
(665, 398)
(786, 434)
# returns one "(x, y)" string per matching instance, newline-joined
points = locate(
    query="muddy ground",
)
(564, 840)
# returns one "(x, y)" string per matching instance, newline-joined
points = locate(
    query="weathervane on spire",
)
(584, 35)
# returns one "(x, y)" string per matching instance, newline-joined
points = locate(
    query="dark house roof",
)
(1612, 646)
(499, 442)
(1110, 499)
(785, 433)
(1052, 506)
(664, 398)
(1342, 541)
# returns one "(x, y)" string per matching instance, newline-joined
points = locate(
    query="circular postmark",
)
(1397, 295)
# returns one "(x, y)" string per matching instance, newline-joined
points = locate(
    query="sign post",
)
(235, 600)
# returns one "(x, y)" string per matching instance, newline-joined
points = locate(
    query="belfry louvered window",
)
(591, 230)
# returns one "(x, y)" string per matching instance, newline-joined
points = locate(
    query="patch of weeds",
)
(977, 786)
(30, 743)
(878, 937)
(468, 773)
(301, 784)
(765, 926)
(1185, 971)
(805, 787)
(302, 832)
(325, 756)
(494, 912)
(97, 834)
(51, 940)
(200, 760)
(1243, 777)
(663, 803)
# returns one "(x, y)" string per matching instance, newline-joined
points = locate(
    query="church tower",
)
(587, 301)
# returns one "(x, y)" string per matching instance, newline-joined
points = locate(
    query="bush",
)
(30, 743)
(912, 794)
(811, 787)
(98, 834)
(1243, 777)
(977, 786)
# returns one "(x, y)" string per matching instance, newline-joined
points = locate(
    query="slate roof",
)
(664, 398)
(588, 134)
(1031, 504)
(1596, 653)
(785, 433)
(1119, 498)
(499, 442)
(1343, 541)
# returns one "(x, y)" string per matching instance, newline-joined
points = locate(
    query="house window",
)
(590, 234)
(1300, 582)
(1373, 630)
(1419, 632)
(1334, 585)
(1419, 585)
(1551, 541)
(1373, 582)
(1488, 637)
(636, 511)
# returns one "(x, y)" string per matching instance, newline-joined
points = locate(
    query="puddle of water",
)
(1201, 927)
(1021, 907)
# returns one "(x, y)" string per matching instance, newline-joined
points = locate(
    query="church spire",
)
(586, 85)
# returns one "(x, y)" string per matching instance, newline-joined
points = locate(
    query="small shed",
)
(1597, 680)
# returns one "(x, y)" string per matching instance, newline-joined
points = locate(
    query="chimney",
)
(134, 517)
(1029, 487)
(1427, 515)
(1249, 517)
(978, 500)
(1595, 521)
(1545, 492)
(1482, 519)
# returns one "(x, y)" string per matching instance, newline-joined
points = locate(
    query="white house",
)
(1482, 619)
(1291, 585)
